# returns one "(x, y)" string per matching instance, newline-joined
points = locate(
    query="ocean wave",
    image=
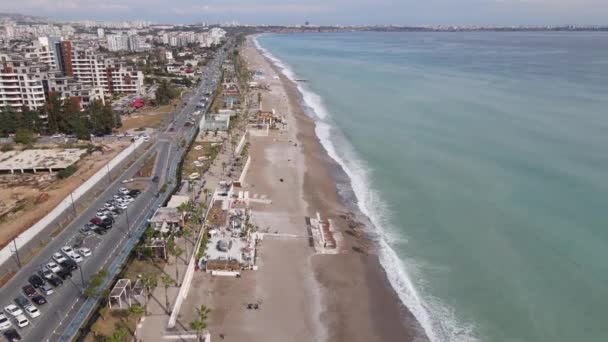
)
(438, 320)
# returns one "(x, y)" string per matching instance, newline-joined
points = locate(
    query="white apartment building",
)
(117, 42)
(21, 82)
(100, 33)
(96, 70)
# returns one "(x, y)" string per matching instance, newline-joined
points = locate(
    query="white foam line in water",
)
(437, 319)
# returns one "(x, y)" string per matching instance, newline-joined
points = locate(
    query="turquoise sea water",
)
(482, 160)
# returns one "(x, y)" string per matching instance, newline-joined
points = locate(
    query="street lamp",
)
(128, 226)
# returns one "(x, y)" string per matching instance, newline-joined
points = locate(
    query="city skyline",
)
(339, 12)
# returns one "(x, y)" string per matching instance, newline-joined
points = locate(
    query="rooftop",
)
(39, 160)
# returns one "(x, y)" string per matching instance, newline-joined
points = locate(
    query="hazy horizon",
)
(318, 12)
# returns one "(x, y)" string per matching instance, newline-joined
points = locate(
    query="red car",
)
(29, 290)
(96, 221)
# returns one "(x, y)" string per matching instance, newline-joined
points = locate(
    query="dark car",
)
(36, 281)
(135, 192)
(39, 300)
(29, 290)
(55, 281)
(69, 264)
(12, 335)
(64, 274)
(117, 210)
(155, 179)
(108, 220)
(22, 301)
(100, 230)
(96, 221)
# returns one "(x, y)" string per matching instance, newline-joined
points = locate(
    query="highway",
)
(66, 306)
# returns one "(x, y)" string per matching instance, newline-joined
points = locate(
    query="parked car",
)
(134, 193)
(5, 323)
(109, 206)
(155, 179)
(128, 180)
(29, 290)
(123, 191)
(77, 258)
(59, 258)
(38, 299)
(67, 250)
(96, 221)
(128, 198)
(100, 230)
(12, 335)
(46, 289)
(45, 273)
(69, 264)
(101, 215)
(32, 311)
(86, 229)
(64, 274)
(84, 251)
(117, 210)
(53, 267)
(21, 301)
(13, 310)
(22, 321)
(36, 281)
(55, 281)
(123, 206)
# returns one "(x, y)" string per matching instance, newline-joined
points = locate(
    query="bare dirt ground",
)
(150, 117)
(36, 199)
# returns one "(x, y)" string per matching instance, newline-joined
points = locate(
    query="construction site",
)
(34, 181)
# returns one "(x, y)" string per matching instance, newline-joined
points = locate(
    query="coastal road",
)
(63, 305)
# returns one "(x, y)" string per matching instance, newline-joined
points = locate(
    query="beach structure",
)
(212, 122)
(166, 219)
(120, 294)
(39, 160)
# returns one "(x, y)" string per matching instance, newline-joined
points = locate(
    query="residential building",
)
(117, 42)
(100, 33)
(21, 82)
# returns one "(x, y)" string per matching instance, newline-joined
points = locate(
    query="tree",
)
(136, 310)
(120, 335)
(167, 282)
(198, 326)
(203, 314)
(165, 93)
(187, 234)
(176, 252)
(24, 136)
(53, 111)
(149, 281)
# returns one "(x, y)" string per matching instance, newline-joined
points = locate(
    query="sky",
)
(324, 12)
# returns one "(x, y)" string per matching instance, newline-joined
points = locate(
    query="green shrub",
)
(67, 172)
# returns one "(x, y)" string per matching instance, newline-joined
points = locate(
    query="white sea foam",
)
(437, 319)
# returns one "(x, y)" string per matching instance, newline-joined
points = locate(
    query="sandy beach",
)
(303, 295)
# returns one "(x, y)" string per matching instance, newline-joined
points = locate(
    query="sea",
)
(481, 158)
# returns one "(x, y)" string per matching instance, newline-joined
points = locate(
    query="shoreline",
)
(386, 317)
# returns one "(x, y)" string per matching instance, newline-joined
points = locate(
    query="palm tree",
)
(203, 314)
(135, 310)
(167, 282)
(183, 209)
(198, 326)
(206, 191)
(176, 251)
(187, 234)
(119, 335)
